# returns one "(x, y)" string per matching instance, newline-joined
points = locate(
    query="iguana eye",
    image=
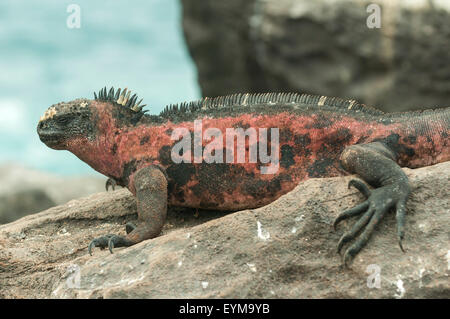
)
(63, 120)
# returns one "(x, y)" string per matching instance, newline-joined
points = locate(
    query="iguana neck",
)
(99, 154)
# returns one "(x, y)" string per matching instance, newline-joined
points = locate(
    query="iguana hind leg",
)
(151, 195)
(375, 163)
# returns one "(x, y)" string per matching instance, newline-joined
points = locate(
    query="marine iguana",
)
(318, 136)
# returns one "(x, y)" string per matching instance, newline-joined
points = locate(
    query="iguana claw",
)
(109, 241)
(110, 182)
(379, 202)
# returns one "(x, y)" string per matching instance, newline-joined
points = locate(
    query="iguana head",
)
(63, 121)
(85, 120)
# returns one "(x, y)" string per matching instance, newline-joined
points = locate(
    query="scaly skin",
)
(318, 137)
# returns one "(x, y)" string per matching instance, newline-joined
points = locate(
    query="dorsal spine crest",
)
(250, 99)
(119, 98)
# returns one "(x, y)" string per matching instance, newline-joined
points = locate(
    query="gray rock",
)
(323, 47)
(217, 34)
(284, 250)
(26, 191)
(23, 202)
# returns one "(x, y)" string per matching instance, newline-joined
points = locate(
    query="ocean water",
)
(136, 44)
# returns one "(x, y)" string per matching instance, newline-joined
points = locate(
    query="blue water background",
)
(136, 44)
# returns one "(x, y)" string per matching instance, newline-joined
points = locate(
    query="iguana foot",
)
(110, 182)
(109, 241)
(379, 201)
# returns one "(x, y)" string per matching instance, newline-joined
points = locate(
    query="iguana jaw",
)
(50, 134)
(51, 138)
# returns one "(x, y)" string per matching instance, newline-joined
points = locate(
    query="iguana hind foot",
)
(375, 163)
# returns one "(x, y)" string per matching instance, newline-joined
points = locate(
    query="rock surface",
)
(25, 191)
(323, 47)
(284, 250)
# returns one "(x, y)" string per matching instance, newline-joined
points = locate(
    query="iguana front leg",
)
(150, 184)
(376, 164)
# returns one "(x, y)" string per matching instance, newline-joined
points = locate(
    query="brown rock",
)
(284, 250)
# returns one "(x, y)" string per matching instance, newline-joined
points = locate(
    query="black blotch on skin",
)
(285, 135)
(392, 142)
(144, 140)
(275, 184)
(114, 149)
(333, 144)
(128, 169)
(208, 174)
(342, 137)
(321, 121)
(255, 189)
(218, 179)
(169, 132)
(302, 140)
(164, 155)
(287, 156)
(320, 167)
(240, 124)
(180, 174)
(265, 188)
(410, 139)
(177, 194)
(301, 143)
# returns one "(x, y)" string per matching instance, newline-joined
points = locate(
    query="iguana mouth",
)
(50, 137)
